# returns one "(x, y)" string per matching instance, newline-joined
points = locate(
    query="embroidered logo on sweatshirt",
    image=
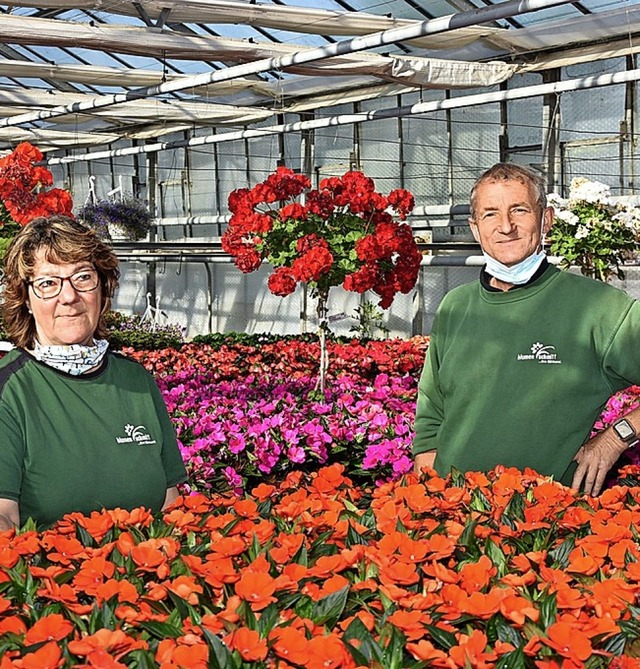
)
(541, 353)
(136, 434)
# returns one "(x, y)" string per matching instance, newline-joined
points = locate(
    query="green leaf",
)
(161, 630)
(479, 501)
(513, 660)
(457, 478)
(330, 608)
(354, 537)
(442, 638)
(356, 631)
(507, 633)
(143, 659)
(221, 657)
(393, 654)
(515, 508)
(497, 556)
(469, 540)
(548, 610)
(268, 619)
(560, 554)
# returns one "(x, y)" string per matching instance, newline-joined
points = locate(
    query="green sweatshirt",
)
(518, 378)
(83, 443)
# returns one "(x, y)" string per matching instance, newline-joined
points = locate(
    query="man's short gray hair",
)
(511, 172)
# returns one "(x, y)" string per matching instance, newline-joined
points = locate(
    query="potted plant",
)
(593, 231)
(25, 192)
(125, 219)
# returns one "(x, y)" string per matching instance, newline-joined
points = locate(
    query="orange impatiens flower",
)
(53, 627)
(48, 656)
(229, 546)
(123, 591)
(328, 652)
(93, 573)
(517, 609)
(187, 588)
(115, 642)
(290, 644)
(475, 576)
(472, 652)
(248, 643)
(424, 650)
(411, 623)
(569, 641)
(256, 588)
(182, 653)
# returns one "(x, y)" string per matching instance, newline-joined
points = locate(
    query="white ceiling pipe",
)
(419, 29)
(374, 115)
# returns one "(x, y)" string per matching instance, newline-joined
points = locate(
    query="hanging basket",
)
(117, 233)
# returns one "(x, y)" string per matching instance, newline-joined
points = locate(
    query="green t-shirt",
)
(83, 443)
(518, 378)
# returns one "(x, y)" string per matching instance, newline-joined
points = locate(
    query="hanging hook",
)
(91, 194)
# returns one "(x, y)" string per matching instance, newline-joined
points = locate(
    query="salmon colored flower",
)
(187, 588)
(229, 546)
(290, 644)
(475, 576)
(327, 652)
(472, 652)
(411, 623)
(256, 588)
(53, 627)
(48, 656)
(114, 642)
(123, 591)
(567, 640)
(517, 609)
(248, 643)
(173, 654)
(424, 650)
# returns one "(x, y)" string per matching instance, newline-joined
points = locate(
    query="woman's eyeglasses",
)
(46, 287)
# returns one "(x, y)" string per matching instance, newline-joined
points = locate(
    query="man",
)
(522, 361)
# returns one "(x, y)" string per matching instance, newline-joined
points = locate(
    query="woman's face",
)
(71, 317)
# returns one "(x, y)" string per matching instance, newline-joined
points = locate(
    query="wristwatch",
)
(625, 431)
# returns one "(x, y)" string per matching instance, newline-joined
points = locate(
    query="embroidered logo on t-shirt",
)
(542, 354)
(136, 434)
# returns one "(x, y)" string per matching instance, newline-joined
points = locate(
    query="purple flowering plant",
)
(246, 413)
(130, 214)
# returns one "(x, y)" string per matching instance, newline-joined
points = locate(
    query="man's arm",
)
(423, 460)
(9, 514)
(170, 497)
(598, 455)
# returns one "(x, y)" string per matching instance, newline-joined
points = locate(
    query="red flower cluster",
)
(22, 186)
(343, 234)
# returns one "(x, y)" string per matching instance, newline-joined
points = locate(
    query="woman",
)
(81, 428)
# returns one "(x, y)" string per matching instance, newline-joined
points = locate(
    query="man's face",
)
(508, 223)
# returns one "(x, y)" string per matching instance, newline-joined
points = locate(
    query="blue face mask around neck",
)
(516, 274)
(521, 272)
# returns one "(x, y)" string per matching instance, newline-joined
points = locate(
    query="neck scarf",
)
(75, 359)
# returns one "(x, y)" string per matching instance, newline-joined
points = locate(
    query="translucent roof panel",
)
(219, 63)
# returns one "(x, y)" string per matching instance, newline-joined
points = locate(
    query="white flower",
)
(567, 216)
(582, 232)
(589, 191)
(630, 218)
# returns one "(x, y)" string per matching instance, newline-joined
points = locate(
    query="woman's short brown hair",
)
(63, 240)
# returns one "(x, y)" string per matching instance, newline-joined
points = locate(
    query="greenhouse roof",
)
(87, 75)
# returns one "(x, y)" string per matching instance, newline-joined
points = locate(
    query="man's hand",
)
(423, 460)
(595, 459)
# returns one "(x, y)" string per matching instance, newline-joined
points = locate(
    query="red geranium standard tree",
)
(22, 188)
(342, 233)
(23, 192)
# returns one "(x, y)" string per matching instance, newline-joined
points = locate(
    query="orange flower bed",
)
(505, 569)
